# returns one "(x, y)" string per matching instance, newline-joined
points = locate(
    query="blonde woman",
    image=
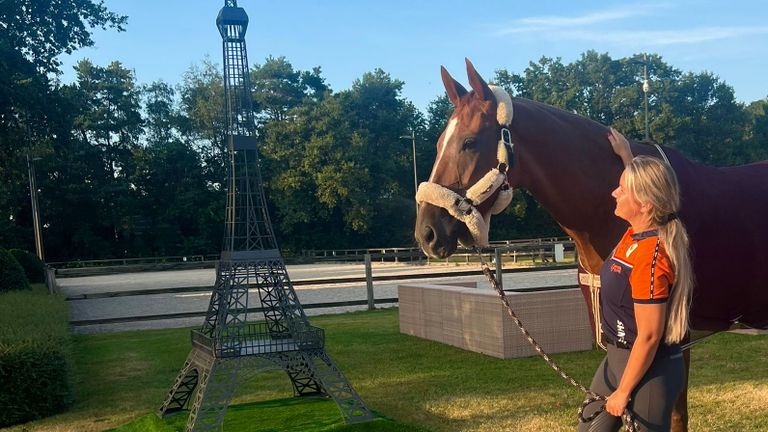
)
(645, 295)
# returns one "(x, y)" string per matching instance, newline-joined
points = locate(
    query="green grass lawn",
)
(413, 384)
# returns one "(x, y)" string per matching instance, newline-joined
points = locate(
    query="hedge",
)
(31, 264)
(35, 356)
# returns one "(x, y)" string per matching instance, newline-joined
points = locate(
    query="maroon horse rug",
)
(494, 144)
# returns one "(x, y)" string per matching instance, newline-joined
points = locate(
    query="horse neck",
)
(566, 163)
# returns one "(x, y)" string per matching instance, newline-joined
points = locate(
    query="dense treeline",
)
(130, 169)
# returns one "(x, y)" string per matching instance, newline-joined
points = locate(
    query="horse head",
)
(468, 183)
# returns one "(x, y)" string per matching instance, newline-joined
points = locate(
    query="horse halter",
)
(464, 208)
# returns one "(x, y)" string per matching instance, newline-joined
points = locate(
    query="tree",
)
(547, 81)
(277, 87)
(110, 116)
(439, 111)
(695, 113)
(162, 115)
(178, 212)
(757, 132)
(33, 34)
(105, 130)
(41, 30)
(338, 172)
(709, 124)
(202, 120)
(74, 184)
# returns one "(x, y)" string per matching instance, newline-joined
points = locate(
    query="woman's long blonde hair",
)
(653, 181)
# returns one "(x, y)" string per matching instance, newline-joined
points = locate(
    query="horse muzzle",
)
(464, 208)
(437, 232)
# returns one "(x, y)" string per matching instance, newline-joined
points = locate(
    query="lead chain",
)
(626, 417)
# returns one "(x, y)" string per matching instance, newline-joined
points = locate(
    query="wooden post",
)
(369, 282)
(50, 279)
(497, 253)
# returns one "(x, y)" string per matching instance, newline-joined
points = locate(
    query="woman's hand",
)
(620, 146)
(616, 403)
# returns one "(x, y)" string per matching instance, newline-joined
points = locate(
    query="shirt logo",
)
(631, 249)
(620, 331)
(615, 268)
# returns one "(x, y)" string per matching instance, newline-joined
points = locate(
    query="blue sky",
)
(412, 39)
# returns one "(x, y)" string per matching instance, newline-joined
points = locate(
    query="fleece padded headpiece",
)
(504, 111)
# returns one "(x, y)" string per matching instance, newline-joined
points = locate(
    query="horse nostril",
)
(429, 234)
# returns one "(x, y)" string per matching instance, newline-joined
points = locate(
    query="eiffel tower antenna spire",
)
(227, 346)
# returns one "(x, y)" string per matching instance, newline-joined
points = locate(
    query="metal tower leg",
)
(299, 368)
(216, 387)
(183, 387)
(335, 384)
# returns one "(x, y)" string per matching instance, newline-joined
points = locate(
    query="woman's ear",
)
(647, 209)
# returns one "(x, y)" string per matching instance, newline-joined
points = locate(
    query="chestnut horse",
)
(566, 162)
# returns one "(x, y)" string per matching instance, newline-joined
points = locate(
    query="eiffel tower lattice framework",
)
(227, 349)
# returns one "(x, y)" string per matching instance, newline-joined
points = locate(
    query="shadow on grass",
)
(311, 414)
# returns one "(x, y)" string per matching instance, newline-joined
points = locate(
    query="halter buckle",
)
(464, 205)
(506, 138)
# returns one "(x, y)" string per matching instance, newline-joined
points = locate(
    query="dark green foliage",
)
(338, 173)
(34, 112)
(12, 275)
(42, 30)
(696, 113)
(35, 356)
(129, 170)
(33, 381)
(33, 267)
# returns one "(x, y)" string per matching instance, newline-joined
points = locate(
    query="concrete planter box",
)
(475, 319)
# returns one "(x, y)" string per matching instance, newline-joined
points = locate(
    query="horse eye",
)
(469, 144)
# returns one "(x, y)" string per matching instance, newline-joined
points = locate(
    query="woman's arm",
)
(650, 319)
(620, 146)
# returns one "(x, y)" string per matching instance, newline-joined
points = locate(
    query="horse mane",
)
(563, 116)
(588, 125)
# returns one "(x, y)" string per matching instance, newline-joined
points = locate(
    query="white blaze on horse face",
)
(448, 133)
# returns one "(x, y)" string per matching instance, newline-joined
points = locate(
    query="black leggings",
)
(653, 398)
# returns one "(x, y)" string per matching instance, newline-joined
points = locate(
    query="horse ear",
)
(452, 87)
(478, 84)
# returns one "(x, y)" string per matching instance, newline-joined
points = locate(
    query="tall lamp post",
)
(412, 137)
(646, 88)
(35, 207)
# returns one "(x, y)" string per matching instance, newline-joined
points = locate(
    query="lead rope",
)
(626, 417)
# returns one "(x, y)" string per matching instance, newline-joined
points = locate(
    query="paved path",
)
(157, 304)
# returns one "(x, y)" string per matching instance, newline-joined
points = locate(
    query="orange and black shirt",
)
(638, 271)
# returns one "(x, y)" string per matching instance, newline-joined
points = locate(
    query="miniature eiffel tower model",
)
(227, 349)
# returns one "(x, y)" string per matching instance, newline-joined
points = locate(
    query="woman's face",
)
(627, 206)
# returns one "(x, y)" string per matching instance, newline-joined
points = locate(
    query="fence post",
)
(559, 252)
(497, 253)
(369, 281)
(50, 279)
